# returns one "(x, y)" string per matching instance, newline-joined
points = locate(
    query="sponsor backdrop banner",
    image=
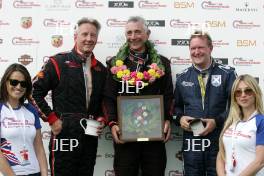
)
(32, 30)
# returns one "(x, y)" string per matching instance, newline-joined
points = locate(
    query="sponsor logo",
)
(121, 4)
(23, 41)
(180, 61)
(115, 23)
(219, 43)
(98, 156)
(223, 61)
(246, 8)
(158, 42)
(177, 23)
(51, 22)
(118, 41)
(57, 41)
(26, 22)
(109, 155)
(109, 173)
(1, 41)
(239, 24)
(58, 5)
(180, 42)
(239, 61)
(46, 135)
(187, 84)
(257, 79)
(25, 59)
(175, 173)
(155, 23)
(215, 24)
(246, 43)
(87, 4)
(3, 60)
(208, 5)
(183, 5)
(25, 4)
(150, 5)
(3, 23)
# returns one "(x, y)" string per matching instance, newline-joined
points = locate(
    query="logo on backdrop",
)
(150, 5)
(3, 23)
(3, 59)
(180, 61)
(87, 4)
(57, 41)
(215, 24)
(121, 4)
(51, 22)
(239, 61)
(155, 23)
(0, 4)
(25, 4)
(208, 5)
(115, 23)
(177, 23)
(58, 5)
(1, 41)
(240, 24)
(25, 59)
(180, 42)
(183, 5)
(117, 42)
(246, 43)
(246, 8)
(158, 42)
(23, 41)
(26, 22)
(223, 61)
(219, 43)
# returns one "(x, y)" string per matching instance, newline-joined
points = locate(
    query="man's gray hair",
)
(86, 20)
(140, 19)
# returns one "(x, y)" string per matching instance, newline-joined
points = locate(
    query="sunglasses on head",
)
(247, 91)
(14, 82)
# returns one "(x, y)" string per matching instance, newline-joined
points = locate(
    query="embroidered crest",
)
(216, 80)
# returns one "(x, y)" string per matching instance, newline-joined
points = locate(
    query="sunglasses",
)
(247, 91)
(14, 82)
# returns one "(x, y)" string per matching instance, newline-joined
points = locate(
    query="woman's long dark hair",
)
(3, 89)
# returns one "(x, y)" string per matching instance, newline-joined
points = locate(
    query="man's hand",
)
(167, 130)
(100, 128)
(56, 127)
(185, 123)
(209, 127)
(115, 133)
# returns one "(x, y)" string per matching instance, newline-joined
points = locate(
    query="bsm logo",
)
(246, 43)
(183, 5)
(215, 23)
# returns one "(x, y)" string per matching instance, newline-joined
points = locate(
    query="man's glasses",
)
(247, 91)
(14, 82)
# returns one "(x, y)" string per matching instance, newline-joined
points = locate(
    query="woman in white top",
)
(241, 143)
(21, 147)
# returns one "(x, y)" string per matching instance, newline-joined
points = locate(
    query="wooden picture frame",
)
(140, 118)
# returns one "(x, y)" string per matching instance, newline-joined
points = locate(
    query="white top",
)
(17, 131)
(247, 135)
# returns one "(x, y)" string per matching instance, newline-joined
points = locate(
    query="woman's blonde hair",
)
(235, 113)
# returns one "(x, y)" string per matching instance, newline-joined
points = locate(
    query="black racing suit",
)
(63, 74)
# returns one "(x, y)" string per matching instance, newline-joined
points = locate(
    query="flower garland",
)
(122, 73)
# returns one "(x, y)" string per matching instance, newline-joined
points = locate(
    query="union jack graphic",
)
(9, 155)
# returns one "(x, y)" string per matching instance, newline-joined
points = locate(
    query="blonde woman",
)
(242, 139)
